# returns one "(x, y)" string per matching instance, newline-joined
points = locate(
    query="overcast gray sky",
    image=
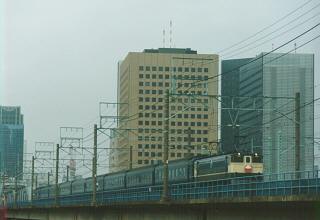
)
(58, 58)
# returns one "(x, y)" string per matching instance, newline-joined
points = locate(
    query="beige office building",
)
(143, 78)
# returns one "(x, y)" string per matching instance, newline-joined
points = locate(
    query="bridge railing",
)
(282, 184)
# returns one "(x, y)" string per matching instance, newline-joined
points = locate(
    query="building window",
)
(141, 76)
(154, 84)
(154, 99)
(140, 106)
(186, 69)
(167, 68)
(140, 68)
(139, 154)
(160, 100)
(193, 69)
(160, 76)
(154, 68)
(205, 70)
(160, 68)
(173, 123)
(179, 69)
(139, 161)
(140, 83)
(160, 92)
(154, 91)
(146, 161)
(159, 122)
(159, 154)
(199, 70)
(172, 154)
(140, 91)
(166, 84)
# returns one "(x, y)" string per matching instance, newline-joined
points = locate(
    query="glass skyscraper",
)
(274, 79)
(11, 141)
(230, 77)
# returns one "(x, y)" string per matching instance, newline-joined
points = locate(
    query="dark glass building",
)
(11, 141)
(230, 92)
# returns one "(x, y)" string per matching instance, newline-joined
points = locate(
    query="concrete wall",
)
(207, 211)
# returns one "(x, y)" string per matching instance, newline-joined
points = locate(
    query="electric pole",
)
(130, 158)
(189, 142)
(57, 176)
(32, 179)
(297, 134)
(165, 193)
(68, 173)
(94, 166)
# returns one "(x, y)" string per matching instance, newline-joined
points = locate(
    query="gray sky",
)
(58, 58)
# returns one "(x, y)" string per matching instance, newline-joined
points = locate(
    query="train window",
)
(248, 159)
(236, 158)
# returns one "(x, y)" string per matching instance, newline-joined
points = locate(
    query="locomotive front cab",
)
(245, 163)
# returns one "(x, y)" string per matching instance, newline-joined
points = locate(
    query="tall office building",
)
(272, 131)
(11, 141)
(230, 76)
(143, 78)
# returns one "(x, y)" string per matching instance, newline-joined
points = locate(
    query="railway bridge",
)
(236, 198)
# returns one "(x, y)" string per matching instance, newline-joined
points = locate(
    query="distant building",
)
(272, 131)
(143, 78)
(11, 141)
(230, 80)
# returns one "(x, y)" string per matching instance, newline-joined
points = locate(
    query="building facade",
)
(143, 78)
(230, 80)
(11, 141)
(272, 81)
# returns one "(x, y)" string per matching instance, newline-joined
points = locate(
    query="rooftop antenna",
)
(170, 33)
(164, 38)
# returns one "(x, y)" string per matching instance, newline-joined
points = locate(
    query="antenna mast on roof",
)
(170, 33)
(164, 38)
